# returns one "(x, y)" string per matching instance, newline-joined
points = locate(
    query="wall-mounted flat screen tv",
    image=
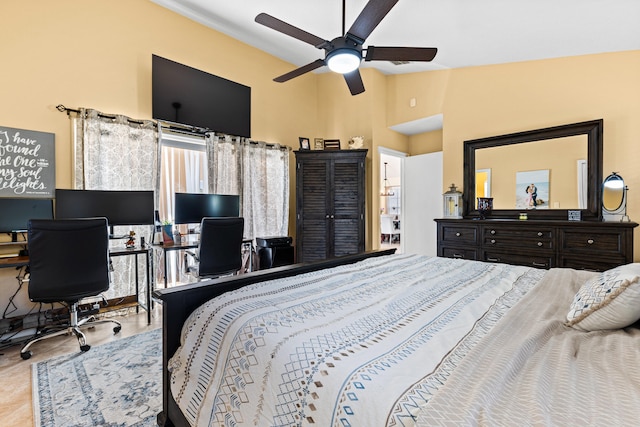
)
(15, 213)
(119, 207)
(185, 95)
(190, 208)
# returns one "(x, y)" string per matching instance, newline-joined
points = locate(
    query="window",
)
(183, 169)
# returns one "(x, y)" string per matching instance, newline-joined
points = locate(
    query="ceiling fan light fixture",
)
(344, 60)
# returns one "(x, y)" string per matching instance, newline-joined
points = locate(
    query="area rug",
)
(115, 384)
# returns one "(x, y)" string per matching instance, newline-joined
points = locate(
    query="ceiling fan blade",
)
(354, 81)
(300, 71)
(290, 30)
(376, 53)
(369, 19)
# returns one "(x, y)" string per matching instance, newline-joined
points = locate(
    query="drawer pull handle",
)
(590, 241)
(539, 244)
(493, 259)
(458, 234)
(493, 231)
(539, 264)
(493, 241)
(539, 233)
(457, 256)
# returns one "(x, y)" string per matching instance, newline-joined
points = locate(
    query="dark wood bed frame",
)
(180, 301)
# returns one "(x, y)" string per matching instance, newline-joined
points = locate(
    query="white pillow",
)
(610, 300)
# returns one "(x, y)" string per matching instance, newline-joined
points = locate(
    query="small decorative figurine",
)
(131, 242)
(356, 142)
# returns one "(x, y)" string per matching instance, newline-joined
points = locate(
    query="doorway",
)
(391, 199)
(416, 183)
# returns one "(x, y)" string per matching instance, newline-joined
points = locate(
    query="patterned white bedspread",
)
(365, 344)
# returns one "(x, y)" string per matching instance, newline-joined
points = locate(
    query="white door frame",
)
(400, 155)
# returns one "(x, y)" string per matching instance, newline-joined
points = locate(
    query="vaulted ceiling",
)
(466, 33)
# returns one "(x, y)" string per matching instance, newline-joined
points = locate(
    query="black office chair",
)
(68, 261)
(220, 248)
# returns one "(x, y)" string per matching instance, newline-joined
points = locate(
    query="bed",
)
(379, 339)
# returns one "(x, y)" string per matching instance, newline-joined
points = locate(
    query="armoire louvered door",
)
(330, 203)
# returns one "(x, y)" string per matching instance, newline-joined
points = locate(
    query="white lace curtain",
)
(259, 173)
(114, 152)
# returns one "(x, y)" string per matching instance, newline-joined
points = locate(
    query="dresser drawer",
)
(591, 263)
(529, 244)
(458, 234)
(593, 241)
(520, 237)
(461, 253)
(529, 259)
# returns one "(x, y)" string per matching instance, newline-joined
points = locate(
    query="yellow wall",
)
(428, 90)
(426, 142)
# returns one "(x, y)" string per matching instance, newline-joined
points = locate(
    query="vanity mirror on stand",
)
(614, 199)
(546, 176)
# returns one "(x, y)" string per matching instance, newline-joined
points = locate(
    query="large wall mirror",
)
(543, 172)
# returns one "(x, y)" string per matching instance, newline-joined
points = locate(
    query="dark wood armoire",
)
(330, 203)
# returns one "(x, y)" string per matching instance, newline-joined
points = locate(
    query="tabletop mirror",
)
(543, 172)
(614, 198)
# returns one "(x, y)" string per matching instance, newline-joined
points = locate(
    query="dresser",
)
(330, 203)
(581, 245)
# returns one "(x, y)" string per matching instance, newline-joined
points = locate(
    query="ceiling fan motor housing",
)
(344, 55)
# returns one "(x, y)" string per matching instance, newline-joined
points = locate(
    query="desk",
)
(21, 261)
(135, 251)
(16, 261)
(172, 247)
(193, 244)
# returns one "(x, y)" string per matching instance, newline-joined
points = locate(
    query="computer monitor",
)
(15, 213)
(190, 208)
(119, 207)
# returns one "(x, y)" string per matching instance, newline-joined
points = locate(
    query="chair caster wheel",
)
(116, 329)
(26, 355)
(85, 347)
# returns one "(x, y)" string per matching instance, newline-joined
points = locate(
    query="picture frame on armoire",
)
(318, 144)
(304, 143)
(331, 144)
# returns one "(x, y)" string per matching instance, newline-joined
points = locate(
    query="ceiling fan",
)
(345, 53)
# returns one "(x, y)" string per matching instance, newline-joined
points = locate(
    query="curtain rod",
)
(176, 127)
(64, 109)
(192, 130)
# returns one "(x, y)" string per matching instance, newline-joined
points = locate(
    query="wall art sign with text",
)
(27, 163)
